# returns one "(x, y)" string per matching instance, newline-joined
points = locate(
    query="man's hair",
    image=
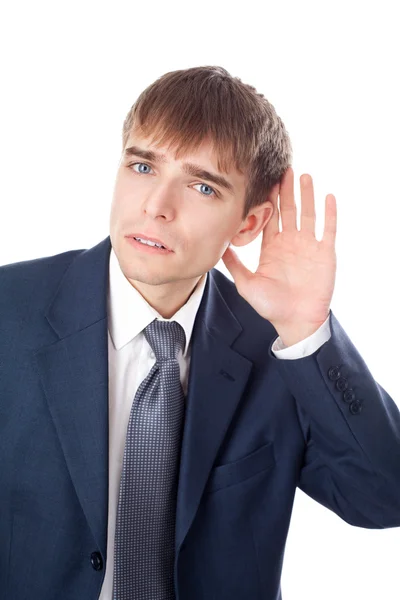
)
(183, 108)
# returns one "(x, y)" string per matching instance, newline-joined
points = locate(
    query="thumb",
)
(235, 267)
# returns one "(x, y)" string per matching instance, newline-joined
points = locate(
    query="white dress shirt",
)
(130, 359)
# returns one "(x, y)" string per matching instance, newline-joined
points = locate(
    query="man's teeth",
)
(149, 243)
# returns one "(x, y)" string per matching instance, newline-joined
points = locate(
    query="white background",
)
(71, 71)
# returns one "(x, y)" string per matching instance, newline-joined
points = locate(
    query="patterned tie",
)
(145, 527)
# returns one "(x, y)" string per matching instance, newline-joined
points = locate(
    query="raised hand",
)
(294, 282)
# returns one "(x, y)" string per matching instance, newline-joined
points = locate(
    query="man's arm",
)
(352, 429)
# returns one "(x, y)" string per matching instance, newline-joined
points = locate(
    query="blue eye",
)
(139, 163)
(213, 192)
(207, 186)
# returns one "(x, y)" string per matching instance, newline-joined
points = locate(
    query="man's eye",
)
(140, 163)
(214, 193)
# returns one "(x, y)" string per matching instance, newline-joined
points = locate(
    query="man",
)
(155, 417)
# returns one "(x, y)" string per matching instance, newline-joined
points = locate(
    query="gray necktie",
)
(145, 527)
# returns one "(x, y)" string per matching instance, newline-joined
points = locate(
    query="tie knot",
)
(166, 338)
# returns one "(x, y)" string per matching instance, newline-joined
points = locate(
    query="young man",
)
(155, 417)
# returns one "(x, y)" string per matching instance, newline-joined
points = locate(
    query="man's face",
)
(194, 217)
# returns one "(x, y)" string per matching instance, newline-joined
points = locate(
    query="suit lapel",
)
(217, 378)
(74, 375)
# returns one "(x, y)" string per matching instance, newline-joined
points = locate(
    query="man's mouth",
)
(149, 243)
(148, 246)
(150, 240)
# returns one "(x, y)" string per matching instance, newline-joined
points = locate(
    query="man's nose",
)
(162, 201)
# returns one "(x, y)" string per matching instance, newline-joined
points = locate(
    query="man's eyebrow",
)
(189, 168)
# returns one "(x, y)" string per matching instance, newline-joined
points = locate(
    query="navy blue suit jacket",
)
(255, 428)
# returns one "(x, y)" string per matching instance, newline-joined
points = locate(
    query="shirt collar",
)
(129, 313)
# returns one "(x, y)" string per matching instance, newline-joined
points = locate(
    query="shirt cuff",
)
(304, 347)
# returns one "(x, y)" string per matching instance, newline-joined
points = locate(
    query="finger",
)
(235, 267)
(330, 226)
(287, 203)
(272, 226)
(307, 219)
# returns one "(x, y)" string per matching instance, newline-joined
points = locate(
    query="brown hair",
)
(182, 108)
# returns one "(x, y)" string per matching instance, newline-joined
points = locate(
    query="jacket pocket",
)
(235, 472)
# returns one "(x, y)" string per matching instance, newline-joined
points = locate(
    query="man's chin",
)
(137, 278)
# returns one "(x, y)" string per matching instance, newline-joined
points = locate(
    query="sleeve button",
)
(341, 384)
(334, 373)
(355, 407)
(349, 395)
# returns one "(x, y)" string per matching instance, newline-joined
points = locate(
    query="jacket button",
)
(341, 384)
(334, 373)
(96, 560)
(355, 407)
(349, 395)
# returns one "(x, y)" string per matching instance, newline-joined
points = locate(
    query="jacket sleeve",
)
(352, 431)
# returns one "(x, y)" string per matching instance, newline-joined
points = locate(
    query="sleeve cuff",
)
(305, 347)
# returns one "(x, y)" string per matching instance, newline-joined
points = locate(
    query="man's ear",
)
(254, 223)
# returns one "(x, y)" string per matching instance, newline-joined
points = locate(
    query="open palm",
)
(295, 278)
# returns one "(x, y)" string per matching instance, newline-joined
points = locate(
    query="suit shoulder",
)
(23, 281)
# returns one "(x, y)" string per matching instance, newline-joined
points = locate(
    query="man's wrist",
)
(293, 334)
